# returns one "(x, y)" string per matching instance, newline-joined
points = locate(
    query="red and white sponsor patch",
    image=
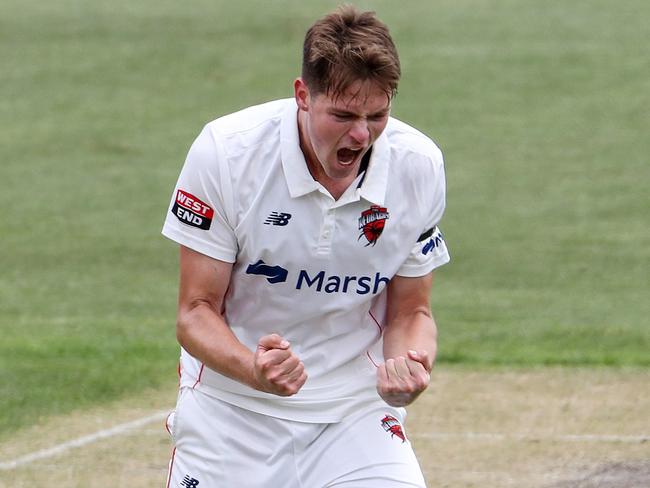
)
(192, 211)
(190, 202)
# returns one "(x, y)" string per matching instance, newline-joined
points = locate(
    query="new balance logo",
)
(189, 482)
(277, 218)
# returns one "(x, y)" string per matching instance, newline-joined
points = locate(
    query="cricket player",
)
(308, 232)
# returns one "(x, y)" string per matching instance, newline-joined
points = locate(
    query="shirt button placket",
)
(327, 232)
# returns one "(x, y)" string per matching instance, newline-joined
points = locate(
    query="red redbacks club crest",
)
(392, 425)
(371, 223)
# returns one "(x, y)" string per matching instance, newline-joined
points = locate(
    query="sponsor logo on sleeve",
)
(372, 222)
(434, 242)
(192, 211)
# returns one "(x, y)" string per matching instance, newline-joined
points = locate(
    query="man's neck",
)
(335, 186)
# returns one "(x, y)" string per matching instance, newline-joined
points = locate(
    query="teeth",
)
(347, 155)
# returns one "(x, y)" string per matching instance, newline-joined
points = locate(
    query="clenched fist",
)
(276, 368)
(400, 380)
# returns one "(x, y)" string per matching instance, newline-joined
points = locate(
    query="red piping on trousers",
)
(171, 465)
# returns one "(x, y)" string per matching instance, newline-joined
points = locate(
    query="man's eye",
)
(343, 116)
(378, 117)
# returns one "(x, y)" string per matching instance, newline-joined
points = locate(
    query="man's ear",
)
(301, 93)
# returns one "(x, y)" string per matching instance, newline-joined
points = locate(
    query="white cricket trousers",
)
(219, 445)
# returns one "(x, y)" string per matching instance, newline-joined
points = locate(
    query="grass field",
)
(541, 109)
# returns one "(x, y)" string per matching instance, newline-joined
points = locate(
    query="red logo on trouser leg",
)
(392, 425)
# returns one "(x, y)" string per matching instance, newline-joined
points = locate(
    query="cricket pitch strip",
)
(488, 428)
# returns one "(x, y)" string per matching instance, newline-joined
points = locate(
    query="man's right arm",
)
(202, 331)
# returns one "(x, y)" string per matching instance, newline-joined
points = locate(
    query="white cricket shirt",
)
(306, 266)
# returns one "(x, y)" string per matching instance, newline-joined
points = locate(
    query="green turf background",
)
(541, 108)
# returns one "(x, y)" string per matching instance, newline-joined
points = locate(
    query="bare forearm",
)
(202, 331)
(205, 335)
(409, 341)
(416, 332)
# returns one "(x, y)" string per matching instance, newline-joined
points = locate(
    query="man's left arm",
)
(410, 340)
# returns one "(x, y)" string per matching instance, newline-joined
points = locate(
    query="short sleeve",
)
(201, 209)
(430, 250)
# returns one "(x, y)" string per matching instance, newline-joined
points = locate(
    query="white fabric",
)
(221, 445)
(312, 277)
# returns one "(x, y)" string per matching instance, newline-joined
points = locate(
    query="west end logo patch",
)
(192, 211)
(372, 222)
(392, 425)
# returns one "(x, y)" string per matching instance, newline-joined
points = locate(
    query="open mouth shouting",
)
(347, 156)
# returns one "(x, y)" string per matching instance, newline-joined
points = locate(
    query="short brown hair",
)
(346, 46)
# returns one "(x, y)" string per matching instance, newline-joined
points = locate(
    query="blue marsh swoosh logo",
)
(274, 274)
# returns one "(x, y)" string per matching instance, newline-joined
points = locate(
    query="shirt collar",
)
(300, 180)
(296, 172)
(373, 187)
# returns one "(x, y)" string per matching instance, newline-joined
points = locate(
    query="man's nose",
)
(359, 132)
